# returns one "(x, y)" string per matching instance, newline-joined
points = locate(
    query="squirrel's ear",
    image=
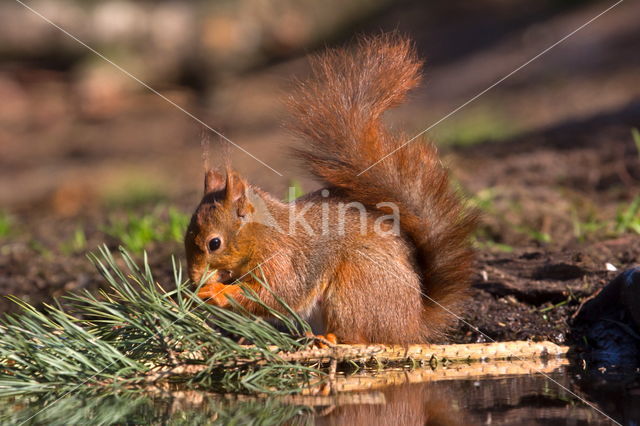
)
(213, 182)
(236, 193)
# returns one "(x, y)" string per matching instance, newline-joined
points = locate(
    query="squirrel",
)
(393, 266)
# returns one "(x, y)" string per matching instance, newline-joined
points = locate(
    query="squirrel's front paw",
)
(323, 341)
(216, 293)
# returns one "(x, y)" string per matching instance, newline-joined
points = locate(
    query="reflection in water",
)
(616, 391)
(411, 404)
(526, 399)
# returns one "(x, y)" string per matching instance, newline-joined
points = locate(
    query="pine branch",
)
(123, 335)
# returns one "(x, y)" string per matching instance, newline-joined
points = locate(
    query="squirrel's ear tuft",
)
(236, 192)
(213, 182)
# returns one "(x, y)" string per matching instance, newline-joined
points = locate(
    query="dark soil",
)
(533, 293)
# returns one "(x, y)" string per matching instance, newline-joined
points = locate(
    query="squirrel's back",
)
(338, 112)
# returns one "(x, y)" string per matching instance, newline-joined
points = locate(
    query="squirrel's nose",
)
(195, 277)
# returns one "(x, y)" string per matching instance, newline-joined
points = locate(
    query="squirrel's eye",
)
(214, 244)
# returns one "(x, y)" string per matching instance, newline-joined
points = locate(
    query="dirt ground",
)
(551, 186)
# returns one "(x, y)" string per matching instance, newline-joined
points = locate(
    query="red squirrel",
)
(391, 267)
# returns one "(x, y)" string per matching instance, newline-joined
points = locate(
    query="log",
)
(518, 350)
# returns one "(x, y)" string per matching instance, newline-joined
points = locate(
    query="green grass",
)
(635, 134)
(627, 220)
(484, 200)
(76, 243)
(131, 190)
(534, 234)
(583, 229)
(489, 244)
(38, 247)
(475, 125)
(6, 224)
(135, 232)
(138, 232)
(588, 223)
(177, 224)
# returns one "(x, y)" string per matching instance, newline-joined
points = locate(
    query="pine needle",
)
(126, 336)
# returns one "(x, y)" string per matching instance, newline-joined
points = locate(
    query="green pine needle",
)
(118, 339)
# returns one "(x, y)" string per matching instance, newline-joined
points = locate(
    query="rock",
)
(609, 322)
(630, 294)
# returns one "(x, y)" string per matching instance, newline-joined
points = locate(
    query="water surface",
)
(408, 400)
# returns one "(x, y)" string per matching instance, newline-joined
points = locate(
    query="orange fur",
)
(339, 114)
(371, 288)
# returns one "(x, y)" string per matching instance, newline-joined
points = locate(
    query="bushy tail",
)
(338, 112)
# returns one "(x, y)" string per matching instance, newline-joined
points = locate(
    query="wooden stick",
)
(430, 353)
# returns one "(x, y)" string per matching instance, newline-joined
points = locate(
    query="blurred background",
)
(90, 155)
